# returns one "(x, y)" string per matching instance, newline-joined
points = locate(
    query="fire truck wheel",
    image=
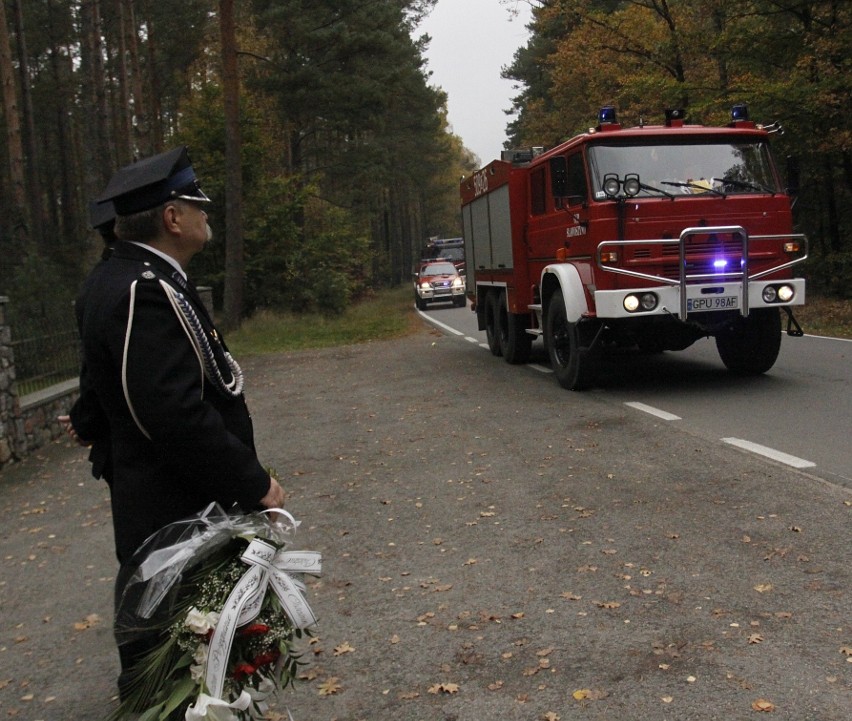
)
(751, 346)
(492, 317)
(515, 342)
(572, 365)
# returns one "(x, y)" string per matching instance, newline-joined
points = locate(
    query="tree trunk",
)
(95, 119)
(67, 188)
(35, 205)
(155, 114)
(125, 150)
(141, 122)
(233, 169)
(13, 131)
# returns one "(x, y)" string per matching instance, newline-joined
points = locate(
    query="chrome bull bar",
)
(743, 275)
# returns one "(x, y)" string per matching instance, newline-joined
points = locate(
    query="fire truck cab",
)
(652, 236)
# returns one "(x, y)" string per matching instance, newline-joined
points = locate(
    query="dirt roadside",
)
(494, 548)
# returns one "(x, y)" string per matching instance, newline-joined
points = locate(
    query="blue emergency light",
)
(739, 112)
(606, 115)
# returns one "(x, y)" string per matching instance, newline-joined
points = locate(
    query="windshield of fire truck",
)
(689, 167)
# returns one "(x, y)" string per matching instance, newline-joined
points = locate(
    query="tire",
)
(420, 303)
(572, 365)
(492, 318)
(515, 342)
(459, 301)
(750, 347)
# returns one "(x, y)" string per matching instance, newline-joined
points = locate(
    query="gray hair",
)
(142, 227)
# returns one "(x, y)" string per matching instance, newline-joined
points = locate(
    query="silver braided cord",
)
(211, 368)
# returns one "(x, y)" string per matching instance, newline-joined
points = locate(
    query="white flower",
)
(196, 671)
(207, 708)
(201, 623)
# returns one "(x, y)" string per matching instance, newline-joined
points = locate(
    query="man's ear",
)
(171, 218)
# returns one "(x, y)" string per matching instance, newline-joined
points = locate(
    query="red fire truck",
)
(652, 236)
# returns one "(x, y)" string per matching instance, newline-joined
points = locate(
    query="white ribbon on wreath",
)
(268, 566)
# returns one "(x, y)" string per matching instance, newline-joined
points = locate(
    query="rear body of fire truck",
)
(653, 236)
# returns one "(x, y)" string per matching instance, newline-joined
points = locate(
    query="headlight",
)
(611, 185)
(632, 186)
(457, 282)
(640, 302)
(425, 285)
(782, 293)
(648, 301)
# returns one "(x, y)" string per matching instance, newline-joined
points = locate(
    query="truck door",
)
(558, 206)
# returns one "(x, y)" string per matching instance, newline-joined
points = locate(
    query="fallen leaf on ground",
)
(343, 648)
(763, 705)
(91, 620)
(608, 604)
(330, 686)
(444, 688)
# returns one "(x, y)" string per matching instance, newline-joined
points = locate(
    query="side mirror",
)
(793, 175)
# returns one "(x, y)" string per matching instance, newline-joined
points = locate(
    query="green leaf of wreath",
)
(181, 692)
(152, 714)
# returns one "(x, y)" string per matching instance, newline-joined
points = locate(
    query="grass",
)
(831, 317)
(386, 314)
(389, 314)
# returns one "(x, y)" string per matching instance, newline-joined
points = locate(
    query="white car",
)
(438, 282)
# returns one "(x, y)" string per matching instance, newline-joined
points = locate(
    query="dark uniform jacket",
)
(178, 438)
(87, 412)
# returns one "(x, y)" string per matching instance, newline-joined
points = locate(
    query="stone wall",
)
(26, 423)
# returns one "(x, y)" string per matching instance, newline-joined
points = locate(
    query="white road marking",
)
(779, 456)
(438, 323)
(665, 415)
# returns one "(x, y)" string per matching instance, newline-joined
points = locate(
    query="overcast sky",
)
(471, 41)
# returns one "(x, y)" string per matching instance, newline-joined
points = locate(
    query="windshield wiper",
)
(690, 184)
(748, 185)
(652, 189)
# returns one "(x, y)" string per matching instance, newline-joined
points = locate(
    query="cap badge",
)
(148, 275)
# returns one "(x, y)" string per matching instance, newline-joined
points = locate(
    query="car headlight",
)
(782, 293)
(457, 282)
(640, 302)
(424, 285)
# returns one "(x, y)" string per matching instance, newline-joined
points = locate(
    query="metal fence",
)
(42, 360)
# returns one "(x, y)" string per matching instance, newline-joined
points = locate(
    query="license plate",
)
(712, 302)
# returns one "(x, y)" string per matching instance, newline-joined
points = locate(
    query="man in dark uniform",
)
(180, 432)
(87, 412)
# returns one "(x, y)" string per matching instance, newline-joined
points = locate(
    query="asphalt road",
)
(493, 548)
(799, 414)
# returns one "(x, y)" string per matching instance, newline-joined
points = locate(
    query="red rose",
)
(264, 659)
(242, 671)
(254, 629)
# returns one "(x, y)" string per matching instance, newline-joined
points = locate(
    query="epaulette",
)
(148, 273)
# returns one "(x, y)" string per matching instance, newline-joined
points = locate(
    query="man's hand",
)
(65, 422)
(275, 496)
